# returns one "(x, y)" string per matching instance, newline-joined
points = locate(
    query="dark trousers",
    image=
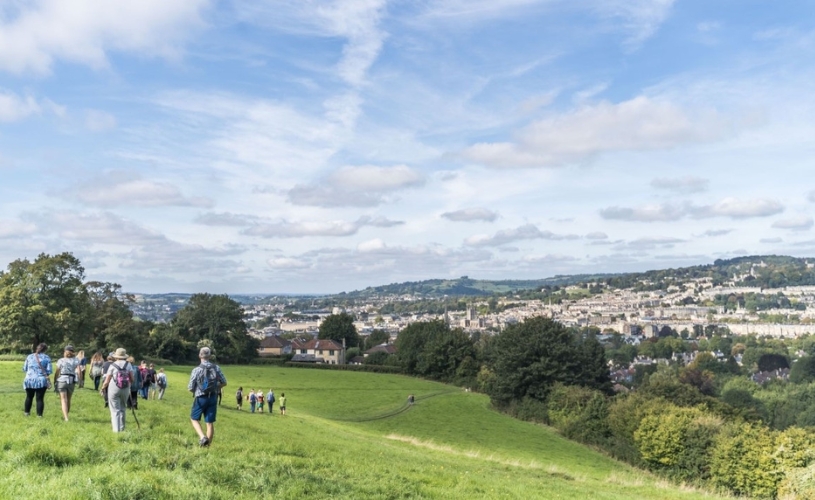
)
(29, 399)
(134, 400)
(96, 381)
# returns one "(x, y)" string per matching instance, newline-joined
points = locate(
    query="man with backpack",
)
(117, 383)
(205, 381)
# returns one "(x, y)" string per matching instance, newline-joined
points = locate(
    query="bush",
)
(579, 414)
(13, 357)
(528, 409)
(742, 461)
(274, 360)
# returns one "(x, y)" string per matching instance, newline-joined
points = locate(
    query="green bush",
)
(528, 409)
(742, 460)
(13, 357)
(579, 413)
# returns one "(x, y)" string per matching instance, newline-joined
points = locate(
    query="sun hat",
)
(205, 353)
(69, 348)
(120, 353)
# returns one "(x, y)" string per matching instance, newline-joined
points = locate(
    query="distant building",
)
(274, 346)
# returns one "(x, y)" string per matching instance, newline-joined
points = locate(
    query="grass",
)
(347, 435)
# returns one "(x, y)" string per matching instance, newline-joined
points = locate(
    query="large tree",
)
(431, 349)
(214, 320)
(44, 301)
(339, 327)
(528, 358)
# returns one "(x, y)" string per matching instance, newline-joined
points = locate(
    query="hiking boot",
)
(203, 441)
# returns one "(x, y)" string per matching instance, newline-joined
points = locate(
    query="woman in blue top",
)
(37, 368)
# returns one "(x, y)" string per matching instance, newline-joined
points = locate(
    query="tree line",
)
(48, 300)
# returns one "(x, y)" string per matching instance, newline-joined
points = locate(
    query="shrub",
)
(579, 414)
(742, 460)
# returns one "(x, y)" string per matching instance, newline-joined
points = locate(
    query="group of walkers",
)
(121, 382)
(118, 379)
(256, 400)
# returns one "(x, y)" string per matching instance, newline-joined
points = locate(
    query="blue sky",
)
(322, 146)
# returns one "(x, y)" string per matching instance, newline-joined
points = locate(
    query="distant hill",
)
(764, 271)
(466, 286)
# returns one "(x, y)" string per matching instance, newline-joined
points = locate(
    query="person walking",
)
(270, 401)
(83, 363)
(118, 380)
(260, 400)
(239, 398)
(282, 403)
(253, 400)
(65, 378)
(144, 371)
(105, 366)
(37, 368)
(152, 378)
(96, 369)
(161, 382)
(205, 380)
(135, 386)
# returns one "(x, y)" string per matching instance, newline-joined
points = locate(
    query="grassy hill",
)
(347, 435)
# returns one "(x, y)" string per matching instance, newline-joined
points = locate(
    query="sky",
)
(304, 146)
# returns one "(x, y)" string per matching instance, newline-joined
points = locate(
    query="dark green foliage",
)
(340, 327)
(803, 370)
(431, 349)
(215, 320)
(528, 358)
(376, 338)
(376, 358)
(770, 362)
(44, 301)
(579, 413)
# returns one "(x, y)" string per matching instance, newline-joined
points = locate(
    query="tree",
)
(803, 370)
(431, 349)
(44, 301)
(376, 338)
(217, 320)
(528, 358)
(340, 327)
(769, 362)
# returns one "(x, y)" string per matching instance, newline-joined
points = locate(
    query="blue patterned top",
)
(198, 374)
(36, 376)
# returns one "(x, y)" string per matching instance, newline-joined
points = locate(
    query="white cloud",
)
(737, 209)
(287, 263)
(302, 229)
(470, 215)
(648, 213)
(641, 123)
(14, 107)
(356, 186)
(770, 240)
(728, 207)
(99, 121)
(174, 258)
(799, 223)
(525, 232)
(712, 233)
(640, 19)
(685, 185)
(225, 219)
(598, 235)
(652, 243)
(84, 31)
(16, 229)
(118, 188)
(103, 227)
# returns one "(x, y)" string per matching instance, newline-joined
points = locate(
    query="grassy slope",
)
(331, 445)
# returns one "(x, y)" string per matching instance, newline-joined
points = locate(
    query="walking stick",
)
(133, 409)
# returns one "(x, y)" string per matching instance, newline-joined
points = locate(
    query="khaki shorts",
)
(65, 386)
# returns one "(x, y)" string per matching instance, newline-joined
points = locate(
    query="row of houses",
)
(314, 350)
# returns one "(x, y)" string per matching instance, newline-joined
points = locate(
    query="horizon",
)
(217, 146)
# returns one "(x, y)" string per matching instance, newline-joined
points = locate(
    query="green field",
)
(347, 435)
